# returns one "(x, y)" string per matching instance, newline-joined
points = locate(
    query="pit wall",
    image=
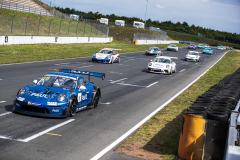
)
(13, 40)
(142, 42)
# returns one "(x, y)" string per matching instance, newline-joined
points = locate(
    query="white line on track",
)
(118, 80)
(182, 70)
(124, 136)
(151, 84)
(3, 114)
(86, 66)
(38, 134)
(2, 101)
(0, 79)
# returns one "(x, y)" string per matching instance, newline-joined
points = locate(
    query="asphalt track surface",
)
(129, 94)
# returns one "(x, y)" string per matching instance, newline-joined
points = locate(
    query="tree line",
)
(168, 25)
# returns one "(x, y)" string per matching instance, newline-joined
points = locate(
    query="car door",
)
(84, 91)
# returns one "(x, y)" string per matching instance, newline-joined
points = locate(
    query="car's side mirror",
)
(35, 81)
(82, 88)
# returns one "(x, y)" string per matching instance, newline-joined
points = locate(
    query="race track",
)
(129, 94)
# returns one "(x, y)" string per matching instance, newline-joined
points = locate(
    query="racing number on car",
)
(79, 97)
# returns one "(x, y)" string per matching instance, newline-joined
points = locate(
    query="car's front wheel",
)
(72, 107)
(118, 61)
(96, 100)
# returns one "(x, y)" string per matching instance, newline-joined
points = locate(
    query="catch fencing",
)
(148, 36)
(34, 9)
(21, 26)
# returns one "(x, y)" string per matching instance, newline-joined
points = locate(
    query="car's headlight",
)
(21, 92)
(61, 97)
(149, 64)
(167, 66)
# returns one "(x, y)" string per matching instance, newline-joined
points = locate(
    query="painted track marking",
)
(3, 114)
(2, 101)
(38, 134)
(182, 70)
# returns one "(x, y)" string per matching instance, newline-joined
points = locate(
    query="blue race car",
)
(207, 51)
(201, 46)
(59, 94)
(156, 51)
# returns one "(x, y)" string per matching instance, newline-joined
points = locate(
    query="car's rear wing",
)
(95, 74)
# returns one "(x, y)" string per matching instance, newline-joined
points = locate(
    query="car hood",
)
(191, 56)
(101, 55)
(42, 93)
(159, 64)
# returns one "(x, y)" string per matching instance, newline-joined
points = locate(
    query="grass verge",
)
(159, 137)
(28, 53)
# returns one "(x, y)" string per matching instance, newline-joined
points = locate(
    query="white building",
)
(104, 21)
(137, 24)
(120, 23)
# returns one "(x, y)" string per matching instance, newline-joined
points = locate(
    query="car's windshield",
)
(105, 51)
(162, 60)
(56, 81)
(192, 53)
(172, 45)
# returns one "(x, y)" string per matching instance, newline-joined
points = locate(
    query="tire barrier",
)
(206, 122)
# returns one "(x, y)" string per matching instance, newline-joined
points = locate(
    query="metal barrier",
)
(18, 25)
(148, 36)
(157, 30)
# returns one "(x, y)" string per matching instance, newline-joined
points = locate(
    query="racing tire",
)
(111, 60)
(96, 100)
(72, 107)
(175, 70)
(118, 61)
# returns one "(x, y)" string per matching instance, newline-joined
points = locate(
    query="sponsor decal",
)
(84, 97)
(51, 103)
(35, 104)
(21, 99)
(39, 95)
(55, 110)
(80, 108)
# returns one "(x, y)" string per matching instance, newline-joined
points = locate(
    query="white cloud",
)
(158, 6)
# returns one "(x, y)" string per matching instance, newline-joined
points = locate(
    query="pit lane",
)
(123, 104)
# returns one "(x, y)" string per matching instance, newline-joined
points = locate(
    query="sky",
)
(222, 15)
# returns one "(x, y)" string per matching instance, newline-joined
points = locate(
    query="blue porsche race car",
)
(59, 94)
(207, 51)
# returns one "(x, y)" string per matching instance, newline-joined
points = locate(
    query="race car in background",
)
(107, 55)
(192, 46)
(201, 46)
(193, 56)
(172, 47)
(220, 47)
(207, 46)
(154, 51)
(59, 94)
(162, 64)
(207, 51)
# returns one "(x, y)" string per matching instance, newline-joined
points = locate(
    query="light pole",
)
(146, 14)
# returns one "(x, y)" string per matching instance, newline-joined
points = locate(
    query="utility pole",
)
(146, 14)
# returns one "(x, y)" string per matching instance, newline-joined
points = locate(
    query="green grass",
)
(39, 52)
(160, 135)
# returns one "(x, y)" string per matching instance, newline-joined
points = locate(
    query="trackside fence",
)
(148, 36)
(22, 26)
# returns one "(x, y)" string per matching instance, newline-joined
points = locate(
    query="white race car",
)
(106, 55)
(162, 64)
(193, 56)
(172, 47)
